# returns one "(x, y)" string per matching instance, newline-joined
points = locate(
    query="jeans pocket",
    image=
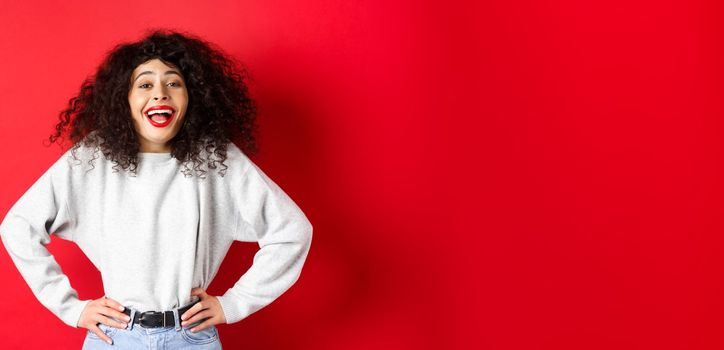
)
(108, 330)
(204, 336)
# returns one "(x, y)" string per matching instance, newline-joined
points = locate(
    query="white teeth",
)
(160, 111)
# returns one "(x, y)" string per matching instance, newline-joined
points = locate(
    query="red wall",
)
(498, 175)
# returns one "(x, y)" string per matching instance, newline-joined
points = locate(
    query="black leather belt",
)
(153, 319)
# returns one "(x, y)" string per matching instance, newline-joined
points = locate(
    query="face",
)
(158, 101)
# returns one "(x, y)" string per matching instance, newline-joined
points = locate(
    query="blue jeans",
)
(135, 336)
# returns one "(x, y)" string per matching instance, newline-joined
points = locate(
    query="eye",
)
(174, 83)
(142, 85)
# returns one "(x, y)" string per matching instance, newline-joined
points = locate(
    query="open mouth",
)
(160, 116)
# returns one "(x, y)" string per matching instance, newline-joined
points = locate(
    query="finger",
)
(113, 323)
(100, 334)
(109, 322)
(203, 325)
(193, 310)
(110, 312)
(113, 304)
(197, 317)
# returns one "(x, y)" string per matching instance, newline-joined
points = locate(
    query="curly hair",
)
(220, 108)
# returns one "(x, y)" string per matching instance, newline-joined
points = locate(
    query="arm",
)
(268, 216)
(25, 232)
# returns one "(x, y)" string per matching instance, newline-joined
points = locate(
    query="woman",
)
(137, 194)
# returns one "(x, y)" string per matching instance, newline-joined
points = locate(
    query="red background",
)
(494, 174)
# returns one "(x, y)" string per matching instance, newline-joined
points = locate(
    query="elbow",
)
(304, 236)
(307, 234)
(4, 228)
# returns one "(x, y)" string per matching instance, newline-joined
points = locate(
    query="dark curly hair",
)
(220, 109)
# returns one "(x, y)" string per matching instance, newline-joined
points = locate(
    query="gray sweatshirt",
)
(157, 235)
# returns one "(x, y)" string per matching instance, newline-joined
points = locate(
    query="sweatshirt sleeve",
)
(25, 231)
(267, 215)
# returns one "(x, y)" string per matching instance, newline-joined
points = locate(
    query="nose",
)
(160, 94)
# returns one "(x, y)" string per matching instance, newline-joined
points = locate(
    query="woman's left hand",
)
(208, 307)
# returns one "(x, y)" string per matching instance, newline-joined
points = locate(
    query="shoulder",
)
(61, 172)
(225, 160)
(78, 159)
(81, 157)
(236, 158)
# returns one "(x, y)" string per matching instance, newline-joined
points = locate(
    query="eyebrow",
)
(150, 72)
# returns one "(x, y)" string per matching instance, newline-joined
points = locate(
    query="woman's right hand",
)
(100, 311)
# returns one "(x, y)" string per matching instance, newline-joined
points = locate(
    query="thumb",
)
(197, 291)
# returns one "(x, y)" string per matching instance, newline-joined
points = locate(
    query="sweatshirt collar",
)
(149, 157)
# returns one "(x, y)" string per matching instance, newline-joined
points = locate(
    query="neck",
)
(154, 148)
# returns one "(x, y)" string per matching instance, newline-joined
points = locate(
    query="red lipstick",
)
(171, 115)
